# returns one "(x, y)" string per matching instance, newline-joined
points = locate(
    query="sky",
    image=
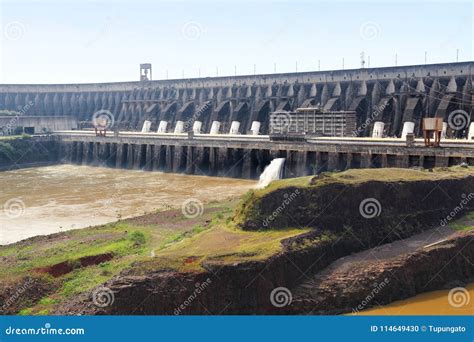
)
(84, 41)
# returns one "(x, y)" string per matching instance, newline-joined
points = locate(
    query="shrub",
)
(138, 238)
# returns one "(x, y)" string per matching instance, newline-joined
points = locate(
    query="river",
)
(45, 200)
(457, 301)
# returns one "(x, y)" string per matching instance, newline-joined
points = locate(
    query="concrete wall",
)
(40, 123)
(246, 159)
(392, 95)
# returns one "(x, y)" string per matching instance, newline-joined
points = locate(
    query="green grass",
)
(221, 243)
(466, 223)
(355, 176)
(128, 242)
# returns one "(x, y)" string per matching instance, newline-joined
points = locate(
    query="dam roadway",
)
(245, 156)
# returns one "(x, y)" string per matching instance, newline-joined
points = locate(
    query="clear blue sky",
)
(90, 41)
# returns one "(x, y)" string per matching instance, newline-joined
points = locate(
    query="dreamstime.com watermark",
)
(19, 291)
(21, 110)
(192, 30)
(281, 297)
(377, 288)
(46, 330)
(370, 208)
(192, 208)
(458, 120)
(284, 204)
(458, 297)
(102, 297)
(103, 119)
(373, 116)
(199, 288)
(280, 121)
(14, 30)
(370, 30)
(14, 208)
(188, 124)
(457, 209)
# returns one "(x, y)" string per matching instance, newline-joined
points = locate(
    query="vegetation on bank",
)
(358, 176)
(24, 149)
(165, 240)
(173, 242)
(339, 195)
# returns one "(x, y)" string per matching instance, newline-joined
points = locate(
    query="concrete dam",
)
(176, 117)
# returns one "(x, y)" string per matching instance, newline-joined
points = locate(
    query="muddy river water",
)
(47, 200)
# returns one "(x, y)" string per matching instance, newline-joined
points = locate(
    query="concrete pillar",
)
(289, 171)
(179, 128)
(102, 154)
(224, 160)
(408, 127)
(118, 159)
(109, 155)
(402, 160)
(234, 162)
(234, 127)
(216, 125)
(247, 164)
(377, 132)
(349, 161)
(79, 152)
(146, 126)
(197, 127)
(333, 158)
(137, 156)
(441, 161)
(255, 128)
(149, 157)
(156, 157)
(85, 153)
(169, 159)
(301, 169)
(318, 162)
(178, 153)
(67, 152)
(130, 156)
(198, 157)
(365, 160)
(213, 159)
(384, 161)
(162, 126)
(72, 156)
(95, 154)
(422, 160)
(189, 160)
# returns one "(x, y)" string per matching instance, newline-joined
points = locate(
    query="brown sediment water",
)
(45, 200)
(456, 301)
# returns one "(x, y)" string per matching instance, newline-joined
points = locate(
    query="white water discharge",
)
(272, 172)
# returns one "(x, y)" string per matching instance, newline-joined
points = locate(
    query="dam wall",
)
(392, 95)
(247, 158)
